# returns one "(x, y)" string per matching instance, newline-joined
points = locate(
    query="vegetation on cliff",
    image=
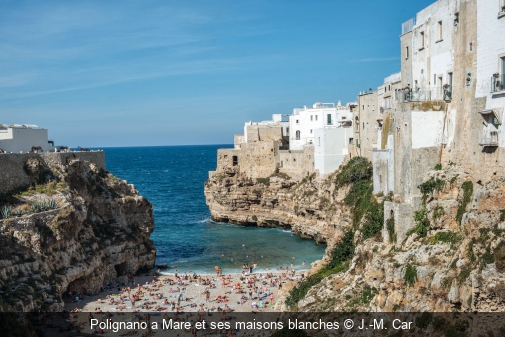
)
(367, 215)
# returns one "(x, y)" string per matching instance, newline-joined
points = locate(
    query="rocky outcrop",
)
(77, 228)
(451, 259)
(308, 207)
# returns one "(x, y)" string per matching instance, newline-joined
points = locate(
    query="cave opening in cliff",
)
(121, 269)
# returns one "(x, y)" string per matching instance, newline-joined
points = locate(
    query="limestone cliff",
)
(451, 259)
(77, 226)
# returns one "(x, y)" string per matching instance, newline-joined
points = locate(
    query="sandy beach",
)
(249, 292)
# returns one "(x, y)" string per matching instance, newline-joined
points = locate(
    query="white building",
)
(331, 146)
(491, 70)
(23, 137)
(304, 121)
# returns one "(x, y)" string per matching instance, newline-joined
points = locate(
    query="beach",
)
(249, 292)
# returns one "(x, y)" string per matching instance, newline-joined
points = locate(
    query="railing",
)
(489, 138)
(414, 96)
(407, 26)
(497, 83)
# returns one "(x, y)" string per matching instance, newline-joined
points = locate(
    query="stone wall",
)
(256, 160)
(383, 171)
(403, 215)
(13, 174)
(297, 163)
(264, 133)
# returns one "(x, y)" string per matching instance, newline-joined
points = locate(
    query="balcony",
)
(409, 95)
(489, 138)
(497, 83)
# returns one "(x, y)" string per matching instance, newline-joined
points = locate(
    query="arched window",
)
(298, 134)
(356, 124)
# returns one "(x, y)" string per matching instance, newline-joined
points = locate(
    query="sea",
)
(172, 178)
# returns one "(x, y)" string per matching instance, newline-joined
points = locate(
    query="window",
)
(297, 134)
(311, 118)
(406, 52)
(328, 119)
(316, 117)
(439, 30)
(363, 125)
(470, 47)
(235, 160)
(456, 18)
(318, 141)
(351, 140)
(297, 121)
(422, 40)
(310, 130)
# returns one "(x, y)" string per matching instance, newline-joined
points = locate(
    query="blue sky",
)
(133, 73)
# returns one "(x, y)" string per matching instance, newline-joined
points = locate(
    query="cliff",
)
(77, 226)
(449, 257)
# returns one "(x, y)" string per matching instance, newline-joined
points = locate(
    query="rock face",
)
(96, 229)
(452, 259)
(455, 263)
(307, 207)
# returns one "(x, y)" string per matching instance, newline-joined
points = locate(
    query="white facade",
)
(305, 121)
(432, 50)
(331, 147)
(21, 138)
(491, 62)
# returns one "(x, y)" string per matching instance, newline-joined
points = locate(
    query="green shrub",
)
(428, 187)
(470, 253)
(340, 256)
(6, 212)
(410, 275)
(422, 223)
(358, 168)
(502, 215)
(449, 237)
(438, 167)
(438, 212)
(264, 181)
(390, 226)
(18, 212)
(43, 206)
(463, 275)
(374, 220)
(467, 197)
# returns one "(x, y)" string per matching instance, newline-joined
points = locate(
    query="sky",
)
(141, 73)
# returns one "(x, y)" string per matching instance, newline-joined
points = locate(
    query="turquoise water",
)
(172, 178)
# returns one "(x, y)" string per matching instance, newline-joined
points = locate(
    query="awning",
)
(495, 112)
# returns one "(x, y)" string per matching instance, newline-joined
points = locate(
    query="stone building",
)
(450, 100)
(278, 145)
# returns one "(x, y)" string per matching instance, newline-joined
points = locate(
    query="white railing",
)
(489, 138)
(407, 26)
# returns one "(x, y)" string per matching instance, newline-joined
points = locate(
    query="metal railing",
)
(408, 25)
(489, 138)
(497, 83)
(405, 96)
